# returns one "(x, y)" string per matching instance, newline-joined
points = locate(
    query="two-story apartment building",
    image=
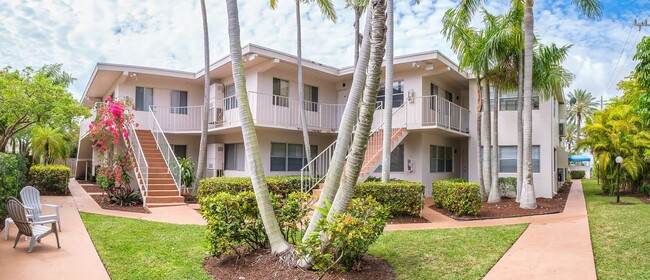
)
(434, 120)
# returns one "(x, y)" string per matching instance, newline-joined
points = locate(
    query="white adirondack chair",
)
(35, 229)
(31, 198)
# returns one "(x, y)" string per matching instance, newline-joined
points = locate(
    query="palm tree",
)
(327, 8)
(570, 138)
(358, 6)
(206, 98)
(48, 144)
(592, 9)
(348, 120)
(362, 131)
(583, 105)
(58, 76)
(251, 146)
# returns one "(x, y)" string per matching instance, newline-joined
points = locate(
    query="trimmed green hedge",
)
(280, 185)
(398, 197)
(13, 175)
(459, 198)
(577, 174)
(52, 178)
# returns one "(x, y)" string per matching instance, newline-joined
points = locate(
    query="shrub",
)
(281, 185)
(349, 234)
(52, 178)
(13, 173)
(124, 196)
(508, 186)
(644, 189)
(459, 198)
(187, 172)
(577, 174)
(398, 197)
(234, 223)
(104, 182)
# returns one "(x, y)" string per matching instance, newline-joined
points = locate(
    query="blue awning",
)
(580, 158)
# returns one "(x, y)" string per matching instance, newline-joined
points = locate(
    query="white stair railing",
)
(314, 172)
(141, 169)
(375, 144)
(166, 150)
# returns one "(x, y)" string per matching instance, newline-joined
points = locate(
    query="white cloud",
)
(168, 34)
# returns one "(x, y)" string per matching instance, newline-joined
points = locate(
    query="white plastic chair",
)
(35, 230)
(31, 198)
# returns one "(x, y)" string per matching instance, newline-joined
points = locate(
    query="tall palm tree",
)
(358, 6)
(583, 105)
(206, 99)
(592, 9)
(570, 137)
(327, 8)
(251, 146)
(58, 76)
(49, 144)
(348, 120)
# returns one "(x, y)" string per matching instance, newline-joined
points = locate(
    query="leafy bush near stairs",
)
(398, 197)
(280, 185)
(13, 175)
(459, 198)
(51, 178)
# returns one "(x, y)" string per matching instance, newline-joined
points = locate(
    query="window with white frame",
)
(280, 92)
(178, 102)
(441, 159)
(143, 98)
(398, 94)
(230, 101)
(289, 157)
(234, 156)
(508, 159)
(311, 98)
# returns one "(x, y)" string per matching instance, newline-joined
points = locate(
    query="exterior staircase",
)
(161, 190)
(374, 150)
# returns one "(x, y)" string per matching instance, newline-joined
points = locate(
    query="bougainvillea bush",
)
(108, 132)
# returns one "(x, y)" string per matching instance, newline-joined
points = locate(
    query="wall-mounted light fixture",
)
(429, 66)
(411, 96)
(416, 64)
(249, 57)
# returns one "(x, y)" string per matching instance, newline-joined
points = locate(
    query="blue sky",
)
(168, 34)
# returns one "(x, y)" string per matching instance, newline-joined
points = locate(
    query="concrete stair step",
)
(153, 205)
(162, 192)
(164, 181)
(154, 187)
(165, 199)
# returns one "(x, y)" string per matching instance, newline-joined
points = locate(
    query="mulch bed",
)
(261, 265)
(106, 205)
(509, 208)
(407, 220)
(189, 198)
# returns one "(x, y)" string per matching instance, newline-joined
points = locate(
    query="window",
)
(449, 96)
(289, 157)
(510, 103)
(280, 92)
(179, 102)
(234, 156)
(433, 92)
(398, 94)
(508, 159)
(396, 160)
(441, 159)
(143, 98)
(180, 151)
(311, 98)
(230, 101)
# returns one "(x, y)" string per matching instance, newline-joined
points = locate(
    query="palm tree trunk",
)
(348, 120)
(367, 110)
(486, 139)
(388, 94)
(527, 200)
(357, 41)
(479, 116)
(520, 125)
(578, 131)
(301, 88)
(254, 161)
(206, 99)
(495, 194)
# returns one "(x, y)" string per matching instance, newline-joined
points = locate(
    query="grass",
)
(464, 253)
(620, 235)
(137, 249)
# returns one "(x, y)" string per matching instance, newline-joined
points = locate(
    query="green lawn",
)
(620, 235)
(464, 253)
(137, 249)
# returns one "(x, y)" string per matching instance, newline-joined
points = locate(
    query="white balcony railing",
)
(436, 111)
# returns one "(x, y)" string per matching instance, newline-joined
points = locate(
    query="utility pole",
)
(641, 24)
(601, 102)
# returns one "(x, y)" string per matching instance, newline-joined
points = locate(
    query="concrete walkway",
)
(76, 259)
(176, 215)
